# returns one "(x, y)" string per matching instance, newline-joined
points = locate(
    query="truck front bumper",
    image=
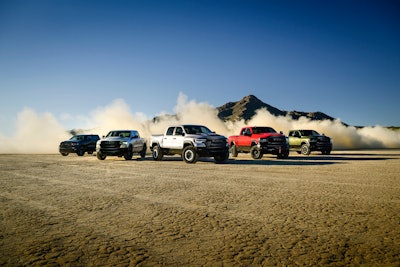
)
(321, 146)
(275, 149)
(113, 152)
(210, 152)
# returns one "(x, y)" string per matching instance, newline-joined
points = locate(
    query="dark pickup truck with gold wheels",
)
(306, 141)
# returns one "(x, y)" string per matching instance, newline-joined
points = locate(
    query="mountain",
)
(247, 106)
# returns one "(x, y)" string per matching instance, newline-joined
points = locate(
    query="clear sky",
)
(68, 57)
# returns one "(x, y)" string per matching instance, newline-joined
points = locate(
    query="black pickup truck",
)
(79, 144)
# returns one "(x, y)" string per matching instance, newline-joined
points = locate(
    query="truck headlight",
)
(123, 144)
(200, 140)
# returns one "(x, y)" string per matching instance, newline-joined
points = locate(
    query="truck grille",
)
(217, 143)
(68, 145)
(323, 140)
(109, 144)
(276, 140)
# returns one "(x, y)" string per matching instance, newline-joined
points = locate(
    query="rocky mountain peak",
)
(246, 108)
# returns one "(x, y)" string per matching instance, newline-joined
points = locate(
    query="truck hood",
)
(210, 136)
(72, 141)
(265, 135)
(115, 138)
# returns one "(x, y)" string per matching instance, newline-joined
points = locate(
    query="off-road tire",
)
(283, 155)
(305, 149)
(100, 156)
(255, 152)
(143, 152)
(221, 158)
(129, 154)
(157, 153)
(80, 152)
(233, 150)
(326, 152)
(64, 154)
(190, 155)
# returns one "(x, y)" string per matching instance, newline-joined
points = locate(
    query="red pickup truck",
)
(259, 141)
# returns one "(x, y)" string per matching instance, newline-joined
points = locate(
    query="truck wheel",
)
(65, 154)
(190, 155)
(143, 152)
(100, 156)
(221, 158)
(326, 152)
(283, 155)
(129, 154)
(305, 149)
(256, 152)
(157, 153)
(233, 150)
(80, 152)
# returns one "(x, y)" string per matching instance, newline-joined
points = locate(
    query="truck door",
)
(136, 142)
(294, 139)
(245, 138)
(168, 138)
(178, 138)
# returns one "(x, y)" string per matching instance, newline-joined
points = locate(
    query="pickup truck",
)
(259, 141)
(121, 143)
(191, 142)
(79, 144)
(306, 141)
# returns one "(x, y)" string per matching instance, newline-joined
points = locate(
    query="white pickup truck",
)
(191, 142)
(121, 143)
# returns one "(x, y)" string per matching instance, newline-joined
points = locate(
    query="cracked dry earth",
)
(342, 209)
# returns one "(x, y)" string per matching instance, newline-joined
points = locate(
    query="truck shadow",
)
(344, 157)
(270, 162)
(299, 160)
(309, 160)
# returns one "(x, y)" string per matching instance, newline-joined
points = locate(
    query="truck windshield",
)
(119, 133)
(77, 138)
(196, 129)
(258, 130)
(309, 132)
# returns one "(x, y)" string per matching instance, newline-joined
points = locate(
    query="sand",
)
(342, 209)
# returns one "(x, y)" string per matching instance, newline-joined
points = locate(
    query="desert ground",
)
(317, 210)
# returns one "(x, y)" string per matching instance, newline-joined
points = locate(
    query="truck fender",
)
(153, 144)
(188, 143)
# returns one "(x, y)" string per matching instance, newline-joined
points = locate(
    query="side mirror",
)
(183, 134)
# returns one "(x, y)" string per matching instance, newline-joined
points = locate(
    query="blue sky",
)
(71, 57)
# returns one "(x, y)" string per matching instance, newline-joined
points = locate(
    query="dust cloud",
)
(42, 133)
